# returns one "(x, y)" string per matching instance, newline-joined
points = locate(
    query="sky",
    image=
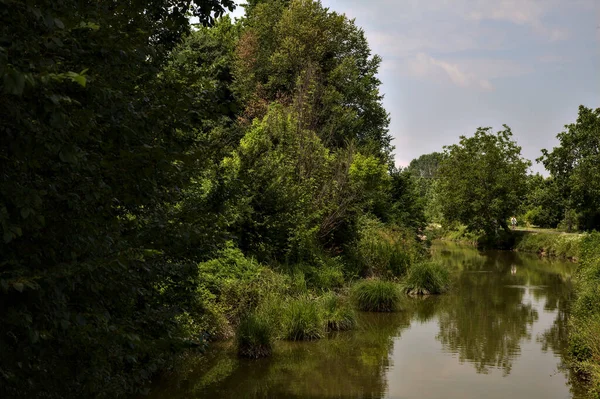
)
(450, 66)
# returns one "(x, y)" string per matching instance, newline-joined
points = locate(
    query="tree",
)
(483, 180)
(575, 166)
(300, 53)
(544, 204)
(91, 155)
(426, 166)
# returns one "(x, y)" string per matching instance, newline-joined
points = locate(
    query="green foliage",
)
(584, 337)
(575, 165)
(300, 53)
(544, 204)
(302, 319)
(90, 161)
(376, 295)
(425, 278)
(381, 250)
(337, 313)
(254, 337)
(483, 180)
(157, 181)
(550, 244)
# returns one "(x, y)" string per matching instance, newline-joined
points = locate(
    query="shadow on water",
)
(502, 329)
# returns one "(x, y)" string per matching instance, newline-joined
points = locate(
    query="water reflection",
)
(503, 325)
(485, 319)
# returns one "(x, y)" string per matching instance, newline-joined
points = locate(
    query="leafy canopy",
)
(483, 180)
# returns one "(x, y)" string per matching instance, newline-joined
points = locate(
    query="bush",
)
(302, 320)
(254, 336)
(426, 278)
(337, 313)
(377, 295)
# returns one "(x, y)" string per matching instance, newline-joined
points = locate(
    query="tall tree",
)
(298, 52)
(575, 165)
(483, 180)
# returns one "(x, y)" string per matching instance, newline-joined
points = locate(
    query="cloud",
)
(425, 66)
(520, 12)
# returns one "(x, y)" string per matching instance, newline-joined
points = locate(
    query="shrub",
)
(302, 320)
(377, 295)
(254, 336)
(337, 313)
(426, 278)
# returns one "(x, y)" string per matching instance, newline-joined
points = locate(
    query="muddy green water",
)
(500, 333)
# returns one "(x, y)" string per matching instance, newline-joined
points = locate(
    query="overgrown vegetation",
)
(550, 244)
(161, 184)
(585, 320)
(375, 295)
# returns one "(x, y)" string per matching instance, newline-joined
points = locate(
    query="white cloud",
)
(425, 66)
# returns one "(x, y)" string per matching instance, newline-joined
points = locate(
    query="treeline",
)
(159, 181)
(478, 184)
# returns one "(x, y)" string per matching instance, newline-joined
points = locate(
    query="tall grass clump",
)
(338, 315)
(302, 320)
(254, 336)
(377, 295)
(426, 278)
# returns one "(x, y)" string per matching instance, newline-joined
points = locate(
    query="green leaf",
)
(59, 24)
(18, 286)
(7, 237)
(77, 78)
(25, 212)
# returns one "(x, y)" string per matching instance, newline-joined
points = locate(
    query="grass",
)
(254, 336)
(377, 295)
(562, 245)
(426, 278)
(584, 337)
(302, 320)
(337, 313)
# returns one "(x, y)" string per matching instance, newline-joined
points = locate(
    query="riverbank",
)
(543, 242)
(584, 333)
(494, 328)
(584, 323)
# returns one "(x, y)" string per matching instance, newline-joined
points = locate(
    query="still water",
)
(499, 333)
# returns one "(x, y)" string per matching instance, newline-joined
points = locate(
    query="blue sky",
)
(450, 66)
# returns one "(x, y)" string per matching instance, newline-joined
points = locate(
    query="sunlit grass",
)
(254, 337)
(337, 313)
(426, 278)
(377, 295)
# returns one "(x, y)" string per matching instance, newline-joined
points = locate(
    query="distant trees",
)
(575, 168)
(482, 180)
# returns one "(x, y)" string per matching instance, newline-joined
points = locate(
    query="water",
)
(499, 333)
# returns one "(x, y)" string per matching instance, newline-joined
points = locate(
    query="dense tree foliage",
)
(90, 157)
(543, 205)
(135, 147)
(318, 62)
(575, 167)
(483, 180)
